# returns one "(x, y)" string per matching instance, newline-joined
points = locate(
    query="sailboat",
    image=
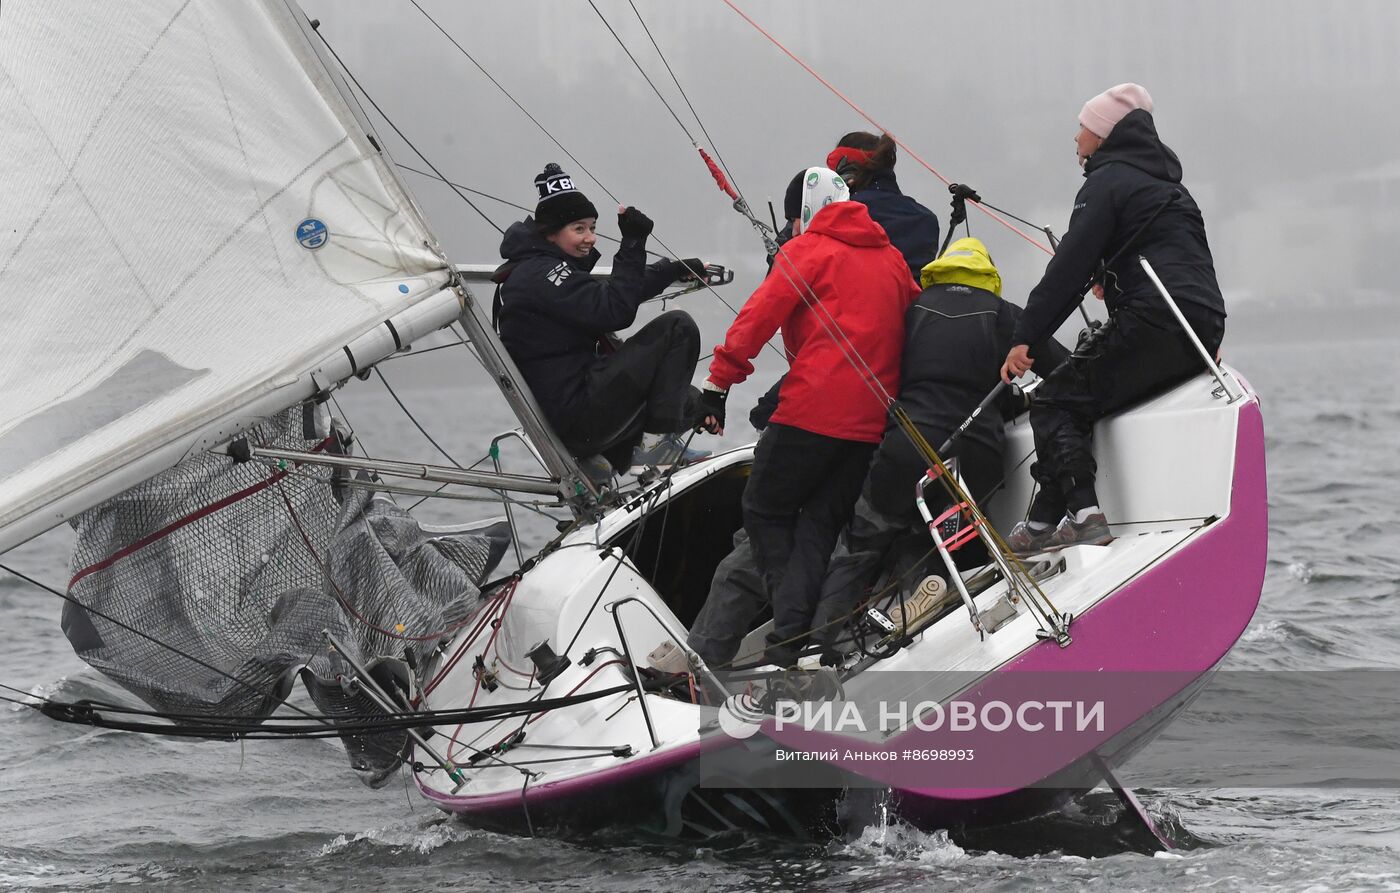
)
(249, 250)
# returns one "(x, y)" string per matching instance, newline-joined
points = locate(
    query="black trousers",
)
(886, 511)
(643, 387)
(798, 499)
(1140, 352)
(736, 599)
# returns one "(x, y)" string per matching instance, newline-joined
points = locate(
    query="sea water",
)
(94, 809)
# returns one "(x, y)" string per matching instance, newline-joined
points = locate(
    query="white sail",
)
(194, 222)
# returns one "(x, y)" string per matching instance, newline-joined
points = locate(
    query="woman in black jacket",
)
(1132, 203)
(555, 319)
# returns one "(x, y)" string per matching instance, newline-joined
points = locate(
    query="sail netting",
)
(208, 589)
(195, 223)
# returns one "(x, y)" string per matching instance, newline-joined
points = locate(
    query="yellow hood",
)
(966, 262)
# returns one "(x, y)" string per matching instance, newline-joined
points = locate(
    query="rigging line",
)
(545, 131)
(1009, 214)
(833, 329)
(527, 210)
(94, 714)
(915, 437)
(364, 115)
(643, 72)
(354, 80)
(648, 505)
(911, 431)
(421, 429)
(425, 499)
(688, 104)
(378, 486)
(906, 425)
(431, 176)
(345, 602)
(346, 419)
(461, 49)
(858, 110)
(415, 353)
(166, 645)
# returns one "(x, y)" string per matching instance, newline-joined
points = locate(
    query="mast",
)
(497, 362)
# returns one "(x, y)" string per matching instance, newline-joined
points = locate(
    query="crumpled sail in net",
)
(207, 589)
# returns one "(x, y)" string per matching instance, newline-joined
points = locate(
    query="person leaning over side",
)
(556, 321)
(1132, 203)
(839, 276)
(955, 337)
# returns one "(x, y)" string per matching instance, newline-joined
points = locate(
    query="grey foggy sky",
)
(1282, 111)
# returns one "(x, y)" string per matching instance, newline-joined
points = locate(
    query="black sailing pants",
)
(1140, 352)
(643, 386)
(886, 511)
(798, 499)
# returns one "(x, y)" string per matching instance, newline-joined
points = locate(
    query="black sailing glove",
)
(710, 405)
(692, 269)
(632, 222)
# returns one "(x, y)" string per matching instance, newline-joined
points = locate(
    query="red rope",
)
(720, 179)
(185, 521)
(502, 596)
(860, 111)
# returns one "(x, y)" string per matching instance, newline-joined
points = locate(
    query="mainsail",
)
(205, 237)
(203, 234)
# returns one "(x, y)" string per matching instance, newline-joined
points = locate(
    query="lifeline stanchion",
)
(1186, 327)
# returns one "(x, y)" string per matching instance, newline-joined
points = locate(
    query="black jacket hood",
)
(522, 239)
(1134, 141)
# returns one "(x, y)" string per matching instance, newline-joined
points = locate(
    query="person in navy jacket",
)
(866, 162)
(556, 321)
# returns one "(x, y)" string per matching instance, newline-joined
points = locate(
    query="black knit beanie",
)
(560, 203)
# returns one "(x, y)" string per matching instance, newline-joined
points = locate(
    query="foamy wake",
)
(414, 836)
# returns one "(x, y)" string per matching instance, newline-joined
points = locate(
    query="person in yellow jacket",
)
(956, 335)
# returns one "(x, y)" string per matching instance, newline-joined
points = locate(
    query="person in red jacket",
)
(839, 291)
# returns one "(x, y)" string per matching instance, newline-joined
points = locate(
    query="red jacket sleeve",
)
(766, 309)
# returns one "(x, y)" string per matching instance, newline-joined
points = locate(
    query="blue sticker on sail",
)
(403, 289)
(312, 233)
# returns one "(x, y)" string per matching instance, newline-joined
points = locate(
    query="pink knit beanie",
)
(1101, 113)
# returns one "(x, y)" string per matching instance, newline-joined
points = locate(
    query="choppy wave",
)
(92, 810)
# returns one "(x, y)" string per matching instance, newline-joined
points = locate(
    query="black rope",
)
(604, 236)
(694, 114)
(166, 645)
(621, 559)
(421, 430)
(194, 725)
(1006, 213)
(415, 353)
(494, 198)
(507, 95)
(642, 71)
(401, 134)
(561, 146)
